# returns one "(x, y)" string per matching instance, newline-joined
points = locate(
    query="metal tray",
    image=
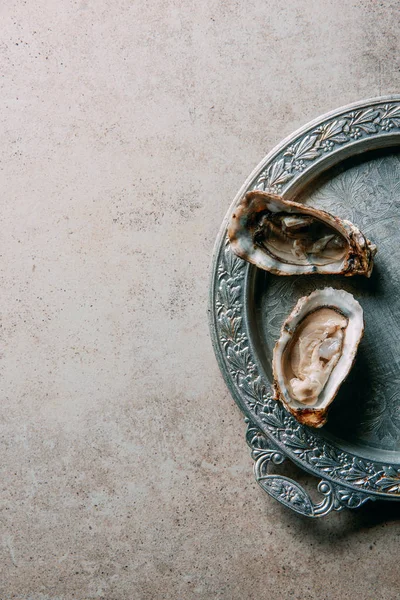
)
(346, 162)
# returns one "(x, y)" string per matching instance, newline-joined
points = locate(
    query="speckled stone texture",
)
(127, 128)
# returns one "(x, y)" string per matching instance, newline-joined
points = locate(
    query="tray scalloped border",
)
(278, 173)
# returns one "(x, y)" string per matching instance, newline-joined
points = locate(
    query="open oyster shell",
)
(315, 353)
(288, 238)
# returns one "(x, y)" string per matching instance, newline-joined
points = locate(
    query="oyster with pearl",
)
(288, 238)
(315, 352)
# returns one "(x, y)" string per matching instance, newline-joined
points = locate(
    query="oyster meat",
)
(288, 238)
(315, 353)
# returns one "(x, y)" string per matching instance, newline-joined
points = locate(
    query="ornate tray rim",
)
(319, 144)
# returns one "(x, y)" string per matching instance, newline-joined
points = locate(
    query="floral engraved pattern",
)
(325, 138)
(289, 493)
(233, 340)
(348, 480)
(390, 481)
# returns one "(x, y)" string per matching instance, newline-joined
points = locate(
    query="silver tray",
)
(346, 162)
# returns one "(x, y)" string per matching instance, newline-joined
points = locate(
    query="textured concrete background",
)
(127, 128)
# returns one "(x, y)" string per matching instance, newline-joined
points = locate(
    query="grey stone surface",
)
(127, 128)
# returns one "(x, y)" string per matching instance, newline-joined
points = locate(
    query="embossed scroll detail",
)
(289, 492)
(301, 443)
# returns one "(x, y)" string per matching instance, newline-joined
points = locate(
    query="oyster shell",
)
(288, 238)
(315, 353)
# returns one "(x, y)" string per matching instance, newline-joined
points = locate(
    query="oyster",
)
(315, 353)
(288, 238)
